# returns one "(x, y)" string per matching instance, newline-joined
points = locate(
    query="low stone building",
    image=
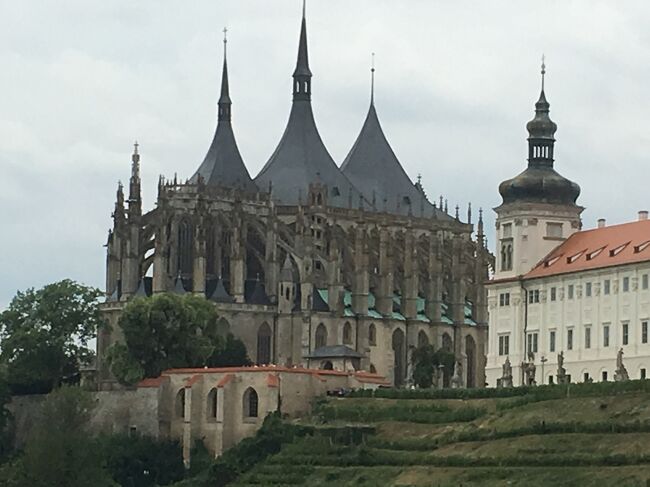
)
(217, 406)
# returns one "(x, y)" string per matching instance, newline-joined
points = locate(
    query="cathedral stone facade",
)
(309, 264)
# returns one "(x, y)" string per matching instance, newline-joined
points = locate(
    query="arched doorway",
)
(470, 353)
(399, 368)
(264, 344)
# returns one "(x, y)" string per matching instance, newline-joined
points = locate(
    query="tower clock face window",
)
(507, 230)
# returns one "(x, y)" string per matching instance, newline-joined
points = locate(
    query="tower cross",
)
(543, 70)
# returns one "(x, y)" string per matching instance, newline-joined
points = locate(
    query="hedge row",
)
(368, 413)
(541, 392)
(540, 428)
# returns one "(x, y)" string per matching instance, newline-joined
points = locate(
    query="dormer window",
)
(614, 252)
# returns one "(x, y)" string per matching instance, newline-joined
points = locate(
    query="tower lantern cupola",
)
(541, 130)
(302, 73)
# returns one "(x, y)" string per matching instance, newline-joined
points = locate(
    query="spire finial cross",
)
(135, 147)
(304, 8)
(543, 69)
(225, 40)
(372, 79)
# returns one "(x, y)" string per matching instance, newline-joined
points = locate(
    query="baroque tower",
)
(539, 207)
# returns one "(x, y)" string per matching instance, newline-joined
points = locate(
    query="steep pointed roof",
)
(220, 295)
(372, 166)
(223, 164)
(301, 157)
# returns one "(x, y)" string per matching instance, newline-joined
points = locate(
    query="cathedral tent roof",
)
(223, 164)
(373, 167)
(301, 157)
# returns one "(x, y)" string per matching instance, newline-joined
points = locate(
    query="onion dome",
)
(540, 182)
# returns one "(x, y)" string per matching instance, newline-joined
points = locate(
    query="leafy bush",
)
(141, 461)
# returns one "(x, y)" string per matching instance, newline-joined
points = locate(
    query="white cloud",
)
(456, 84)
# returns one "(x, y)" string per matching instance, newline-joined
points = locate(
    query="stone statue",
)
(457, 378)
(528, 370)
(506, 375)
(561, 371)
(409, 369)
(621, 371)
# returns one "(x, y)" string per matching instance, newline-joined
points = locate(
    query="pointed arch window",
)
(264, 344)
(321, 336)
(251, 403)
(347, 333)
(211, 405)
(372, 334)
(185, 247)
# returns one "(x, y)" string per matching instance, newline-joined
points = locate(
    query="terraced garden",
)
(597, 436)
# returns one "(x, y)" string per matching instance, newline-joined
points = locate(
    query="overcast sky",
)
(456, 83)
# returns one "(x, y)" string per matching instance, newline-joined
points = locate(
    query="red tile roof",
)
(151, 382)
(226, 378)
(614, 245)
(192, 380)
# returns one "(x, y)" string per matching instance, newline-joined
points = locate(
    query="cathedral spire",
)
(302, 73)
(224, 99)
(135, 200)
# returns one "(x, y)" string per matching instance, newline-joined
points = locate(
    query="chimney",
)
(643, 215)
(601, 223)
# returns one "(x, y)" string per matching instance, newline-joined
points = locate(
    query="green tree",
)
(169, 331)
(426, 361)
(60, 449)
(5, 415)
(45, 335)
(141, 461)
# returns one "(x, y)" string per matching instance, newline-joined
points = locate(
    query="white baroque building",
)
(559, 289)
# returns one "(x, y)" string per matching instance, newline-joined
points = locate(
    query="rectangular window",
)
(553, 294)
(642, 373)
(588, 289)
(504, 344)
(585, 377)
(554, 230)
(588, 337)
(605, 335)
(644, 281)
(626, 284)
(533, 296)
(606, 286)
(569, 339)
(644, 332)
(626, 330)
(604, 376)
(551, 341)
(507, 230)
(570, 291)
(532, 342)
(504, 299)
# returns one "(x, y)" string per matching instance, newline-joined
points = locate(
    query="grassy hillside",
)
(598, 436)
